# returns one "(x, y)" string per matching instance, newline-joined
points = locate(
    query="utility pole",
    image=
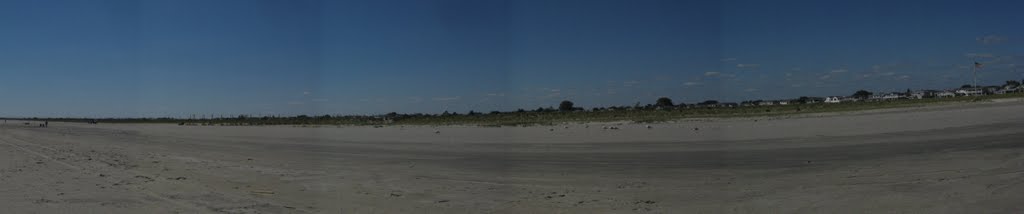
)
(974, 69)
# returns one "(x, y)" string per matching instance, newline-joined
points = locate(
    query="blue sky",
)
(176, 58)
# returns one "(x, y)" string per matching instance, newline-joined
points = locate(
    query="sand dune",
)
(962, 158)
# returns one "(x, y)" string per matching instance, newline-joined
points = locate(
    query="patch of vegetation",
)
(661, 111)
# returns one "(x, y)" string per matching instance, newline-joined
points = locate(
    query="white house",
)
(832, 100)
(891, 96)
(876, 97)
(1012, 88)
(969, 91)
(945, 94)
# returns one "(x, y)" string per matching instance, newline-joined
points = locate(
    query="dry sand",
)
(963, 158)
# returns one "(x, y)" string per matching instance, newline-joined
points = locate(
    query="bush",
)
(664, 102)
(565, 106)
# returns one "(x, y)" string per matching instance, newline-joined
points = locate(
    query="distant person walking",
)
(46, 123)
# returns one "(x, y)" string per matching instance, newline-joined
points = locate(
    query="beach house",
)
(969, 92)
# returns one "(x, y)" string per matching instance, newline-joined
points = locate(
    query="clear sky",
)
(132, 58)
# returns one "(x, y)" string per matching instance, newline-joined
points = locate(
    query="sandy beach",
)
(957, 158)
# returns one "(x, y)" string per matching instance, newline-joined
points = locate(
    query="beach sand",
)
(958, 158)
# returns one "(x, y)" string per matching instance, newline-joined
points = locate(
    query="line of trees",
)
(564, 107)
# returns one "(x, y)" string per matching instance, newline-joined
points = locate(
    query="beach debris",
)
(262, 192)
(437, 132)
(442, 201)
(649, 127)
(645, 202)
(696, 129)
(551, 129)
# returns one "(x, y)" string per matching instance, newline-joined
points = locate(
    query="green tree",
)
(664, 102)
(565, 106)
(709, 102)
(1012, 83)
(803, 100)
(862, 94)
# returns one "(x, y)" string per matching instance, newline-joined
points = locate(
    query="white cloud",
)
(496, 95)
(836, 71)
(979, 55)
(306, 93)
(903, 77)
(825, 77)
(446, 98)
(711, 73)
(692, 83)
(991, 39)
(888, 73)
(552, 95)
(748, 65)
